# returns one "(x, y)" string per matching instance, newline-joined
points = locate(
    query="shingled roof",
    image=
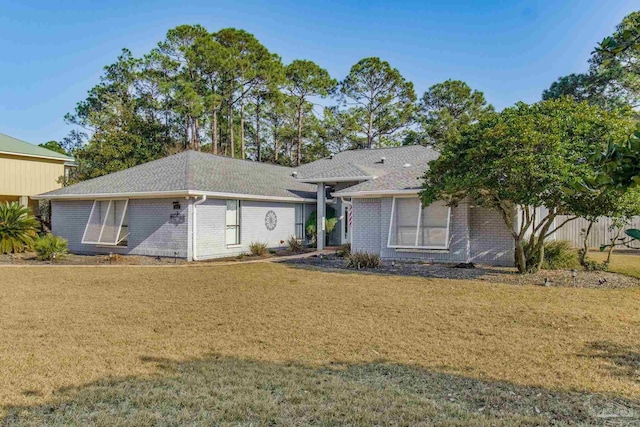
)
(193, 173)
(360, 165)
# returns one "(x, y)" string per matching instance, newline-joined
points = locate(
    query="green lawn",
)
(620, 262)
(268, 344)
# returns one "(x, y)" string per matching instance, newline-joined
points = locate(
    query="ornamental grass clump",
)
(363, 260)
(18, 228)
(258, 248)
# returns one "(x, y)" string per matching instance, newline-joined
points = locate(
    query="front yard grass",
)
(621, 262)
(270, 344)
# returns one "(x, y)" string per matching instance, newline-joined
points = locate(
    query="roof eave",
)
(376, 193)
(169, 194)
(17, 154)
(337, 179)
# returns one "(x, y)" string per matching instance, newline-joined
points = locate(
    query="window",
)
(299, 231)
(233, 222)
(108, 223)
(414, 226)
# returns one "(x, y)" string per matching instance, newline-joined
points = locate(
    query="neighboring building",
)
(197, 206)
(27, 170)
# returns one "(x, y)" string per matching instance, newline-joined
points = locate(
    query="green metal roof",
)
(12, 145)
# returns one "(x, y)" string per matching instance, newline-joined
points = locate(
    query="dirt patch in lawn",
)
(563, 278)
(270, 344)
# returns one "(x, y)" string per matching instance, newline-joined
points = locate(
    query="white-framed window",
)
(233, 222)
(413, 226)
(299, 231)
(108, 223)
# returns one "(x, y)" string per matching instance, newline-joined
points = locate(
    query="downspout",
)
(195, 225)
(350, 204)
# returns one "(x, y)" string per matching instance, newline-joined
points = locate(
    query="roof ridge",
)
(255, 162)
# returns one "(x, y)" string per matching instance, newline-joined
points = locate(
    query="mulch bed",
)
(584, 279)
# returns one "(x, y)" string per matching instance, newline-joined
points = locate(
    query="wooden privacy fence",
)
(600, 232)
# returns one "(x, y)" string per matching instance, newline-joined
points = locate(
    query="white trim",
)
(116, 241)
(87, 226)
(194, 228)
(169, 194)
(374, 193)
(13, 153)
(416, 247)
(126, 205)
(337, 179)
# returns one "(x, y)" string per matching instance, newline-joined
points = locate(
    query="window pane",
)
(94, 224)
(111, 229)
(433, 225)
(233, 235)
(233, 222)
(406, 221)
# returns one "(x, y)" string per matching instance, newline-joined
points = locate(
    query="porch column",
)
(321, 211)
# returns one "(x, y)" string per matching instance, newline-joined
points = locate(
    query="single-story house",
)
(197, 206)
(27, 170)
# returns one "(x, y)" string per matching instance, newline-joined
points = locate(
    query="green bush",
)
(50, 247)
(258, 248)
(560, 254)
(294, 245)
(18, 228)
(330, 222)
(591, 265)
(363, 260)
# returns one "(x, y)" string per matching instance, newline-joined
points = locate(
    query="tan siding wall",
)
(25, 176)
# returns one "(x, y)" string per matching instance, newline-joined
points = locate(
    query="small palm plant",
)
(18, 228)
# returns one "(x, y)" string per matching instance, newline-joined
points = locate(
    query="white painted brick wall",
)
(151, 232)
(476, 234)
(212, 226)
(491, 241)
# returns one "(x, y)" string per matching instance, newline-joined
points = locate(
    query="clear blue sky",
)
(54, 51)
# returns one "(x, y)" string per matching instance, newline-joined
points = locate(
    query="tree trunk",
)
(299, 161)
(613, 245)
(585, 244)
(370, 131)
(214, 131)
(258, 145)
(231, 142)
(275, 144)
(520, 258)
(196, 137)
(242, 148)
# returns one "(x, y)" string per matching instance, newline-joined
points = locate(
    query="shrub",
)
(330, 222)
(363, 260)
(294, 245)
(50, 247)
(258, 248)
(591, 265)
(344, 251)
(18, 228)
(559, 254)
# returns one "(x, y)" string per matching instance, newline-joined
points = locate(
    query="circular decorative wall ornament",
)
(270, 220)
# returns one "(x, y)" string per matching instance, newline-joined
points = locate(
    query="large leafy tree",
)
(304, 80)
(524, 158)
(616, 60)
(380, 100)
(446, 108)
(53, 146)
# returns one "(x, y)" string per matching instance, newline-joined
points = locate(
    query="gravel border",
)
(584, 279)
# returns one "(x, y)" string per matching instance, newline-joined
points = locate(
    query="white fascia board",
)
(60, 159)
(169, 194)
(337, 179)
(375, 193)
